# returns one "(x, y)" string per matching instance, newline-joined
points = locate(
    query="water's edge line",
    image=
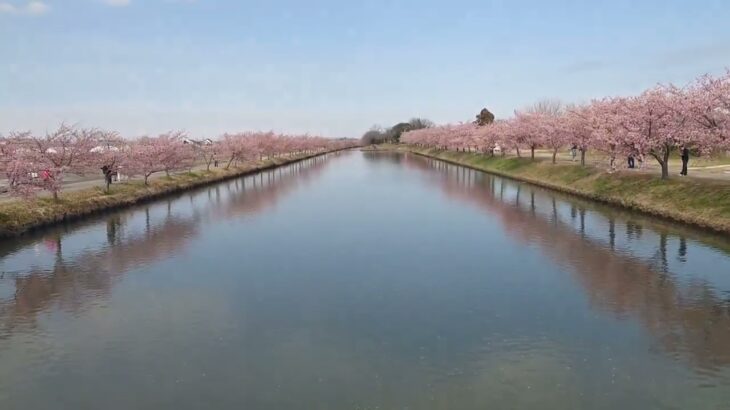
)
(149, 197)
(678, 217)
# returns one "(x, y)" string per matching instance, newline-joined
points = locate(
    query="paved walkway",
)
(73, 183)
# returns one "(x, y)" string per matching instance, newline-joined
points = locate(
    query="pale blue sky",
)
(335, 67)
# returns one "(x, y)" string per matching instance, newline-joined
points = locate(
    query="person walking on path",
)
(574, 151)
(685, 161)
(632, 162)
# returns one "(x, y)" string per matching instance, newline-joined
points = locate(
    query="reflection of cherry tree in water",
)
(682, 254)
(532, 201)
(74, 281)
(659, 260)
(634, 230)
(394, 158)
(691, 321)
(113, 225)
(611, 231)
(260, 192)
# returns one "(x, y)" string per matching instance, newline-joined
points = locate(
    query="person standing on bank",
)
(108, 173)
(685, 160)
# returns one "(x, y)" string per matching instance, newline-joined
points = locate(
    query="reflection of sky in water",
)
(365, 281)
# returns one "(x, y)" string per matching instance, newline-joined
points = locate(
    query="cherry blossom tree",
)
(488, 137)
(653, 125)
(577, 127)
(526, 131)
(208, 153)
(108, 154)
(33, 163)
(172, 154)
(144, 157)
(36, 163)
(552, 130)
(20, 165)
(707, 103)
(512, 135)
(234, 147)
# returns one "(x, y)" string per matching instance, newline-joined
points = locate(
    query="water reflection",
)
(689, 319)
(260, 192)
(72, 280)
(385, 282)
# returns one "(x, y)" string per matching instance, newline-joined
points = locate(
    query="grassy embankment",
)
(18, 217)
(696, 201)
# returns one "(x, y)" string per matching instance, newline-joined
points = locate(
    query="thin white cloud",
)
(715, 51)
(117, 3)
(30, 7)
(37, 7)
(7, 8)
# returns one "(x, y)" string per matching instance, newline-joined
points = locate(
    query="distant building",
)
(101, 149)
(190, 141)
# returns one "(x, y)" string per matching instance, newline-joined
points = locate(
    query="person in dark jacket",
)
(108, 174)
(685, 161)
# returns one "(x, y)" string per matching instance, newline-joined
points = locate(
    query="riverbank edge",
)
(647, 205)
(44, 213)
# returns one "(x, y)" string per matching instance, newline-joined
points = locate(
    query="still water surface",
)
(366, 281)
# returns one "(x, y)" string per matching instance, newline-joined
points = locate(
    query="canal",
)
(366, 281)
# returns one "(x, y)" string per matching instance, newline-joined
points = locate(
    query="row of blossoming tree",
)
(33, 163)
(654, 124)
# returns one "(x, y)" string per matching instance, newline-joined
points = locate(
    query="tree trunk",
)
(663, 160)
(582, 157)
(555, 153)
(532, 153)
(518, 153)
(663, 164)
